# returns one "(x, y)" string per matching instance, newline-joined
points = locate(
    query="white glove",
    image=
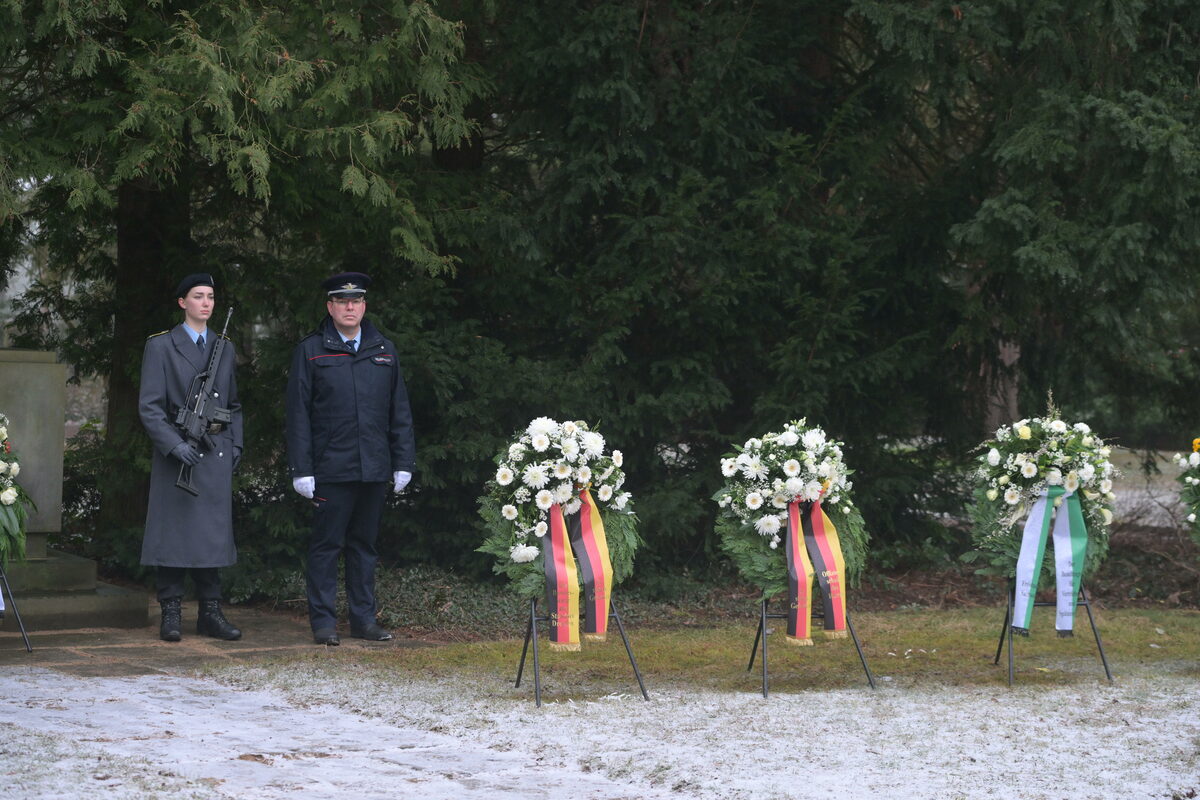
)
(305, 486)
(401, 478)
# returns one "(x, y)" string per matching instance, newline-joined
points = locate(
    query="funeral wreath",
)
(1033, 459)
(547, 469)
(763, 478)
(14, 502)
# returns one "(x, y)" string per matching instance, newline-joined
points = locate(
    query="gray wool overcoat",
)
(184, 530)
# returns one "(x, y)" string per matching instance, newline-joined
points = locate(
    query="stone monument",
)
(53, 590)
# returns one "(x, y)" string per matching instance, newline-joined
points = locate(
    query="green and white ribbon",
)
(1070, 548)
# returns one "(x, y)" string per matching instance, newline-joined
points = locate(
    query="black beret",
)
(346, 284)
(192, 281)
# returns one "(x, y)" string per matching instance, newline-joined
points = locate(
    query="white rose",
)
(543, 426)
(1082, 427)
(8, 496)
(992, 494)
(788, 438)
(1058, 426)
(1106, 486)
(1191, 517)
(521, 553)
(1054, 477)
(1194, 459)
(768, 525)
(4, 467)
(993, 457)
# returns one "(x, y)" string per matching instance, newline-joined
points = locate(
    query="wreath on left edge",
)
(14, 501)
(548, 464)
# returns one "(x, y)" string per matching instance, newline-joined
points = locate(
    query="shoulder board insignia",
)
(160, 333)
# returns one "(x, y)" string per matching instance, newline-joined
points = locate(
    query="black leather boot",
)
(171, 629)
(212, 622)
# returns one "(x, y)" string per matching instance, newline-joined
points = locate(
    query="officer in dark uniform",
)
(187, 533)
(349, 438)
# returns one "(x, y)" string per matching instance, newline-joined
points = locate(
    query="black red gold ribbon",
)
(819, 555)
(581, 537)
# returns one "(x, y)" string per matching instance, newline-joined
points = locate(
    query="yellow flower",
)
(1024, 432)
(992, 494)
(1196, 444)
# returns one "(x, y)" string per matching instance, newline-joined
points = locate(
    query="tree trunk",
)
(152, 237)
(1000, 384)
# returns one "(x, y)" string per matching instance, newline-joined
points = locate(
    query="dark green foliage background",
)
(684, 221)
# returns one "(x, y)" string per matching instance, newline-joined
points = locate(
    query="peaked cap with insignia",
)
(347, 284)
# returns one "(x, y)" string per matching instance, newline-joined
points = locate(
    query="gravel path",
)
(330, 730)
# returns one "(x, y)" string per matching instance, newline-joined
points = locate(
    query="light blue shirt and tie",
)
(198, 338)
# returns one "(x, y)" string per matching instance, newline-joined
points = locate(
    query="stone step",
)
(105, 606)
(57, 572)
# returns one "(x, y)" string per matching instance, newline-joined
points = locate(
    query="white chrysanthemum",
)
(794, 486)
(569, 448)
(509, 512)
(813, 439)
(779, 501)
(993, 457)
(1071, 482)
(608, 471)
(573, 506)
(605, 493)
(8, 496)
(1028, 469)
(593, 444)
(583, 475)
(569, 428)
(504, 476)
(544, 499)
(540, 442)
(754, 469)
(1058, 426)
(562, 470)
(562, 493)
(768, 525)
(542, 426)
(621, 500)
(1087, 472)
(754, 501)
(791, 468)
(516, 451)
(826, 469)
(535, 476)
(812, 491)
(522, 553)
(729, 467)
(1082, 427)
(1012, 496)
(618, 458)
(541, 529)
(1106, 486)
(1054, 477)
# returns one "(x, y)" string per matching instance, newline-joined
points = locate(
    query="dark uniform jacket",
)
(348, 417)
(183, 530)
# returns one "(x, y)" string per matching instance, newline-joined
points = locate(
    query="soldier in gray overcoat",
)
(188, 533)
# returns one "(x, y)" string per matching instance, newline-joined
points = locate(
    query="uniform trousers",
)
(169, 581)
(345, 521)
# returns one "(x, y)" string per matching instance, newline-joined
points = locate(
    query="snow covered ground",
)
(334, 730)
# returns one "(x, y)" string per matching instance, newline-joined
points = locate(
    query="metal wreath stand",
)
(818, 616)
(531, 634)
(12, 601)
(1006, 631)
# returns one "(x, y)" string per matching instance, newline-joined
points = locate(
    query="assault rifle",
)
(202, 416)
